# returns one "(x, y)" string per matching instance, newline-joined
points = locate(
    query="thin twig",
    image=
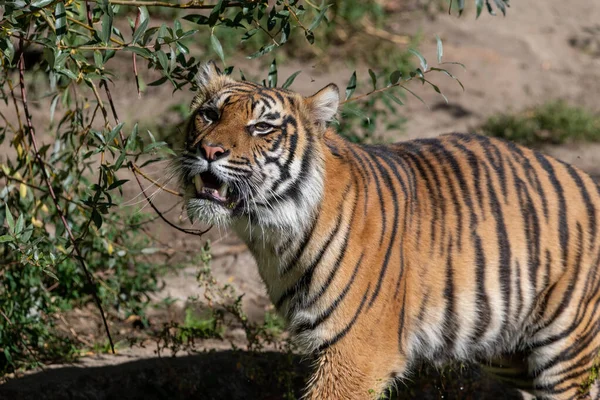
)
(196, 232)
(402, 40)
(259, 26)
(293, 13)
(138, 170)
(383, 89)
(59, 210)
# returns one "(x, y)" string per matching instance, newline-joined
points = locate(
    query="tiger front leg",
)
(340, 374)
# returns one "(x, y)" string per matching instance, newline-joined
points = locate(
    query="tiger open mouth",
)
(209, 187)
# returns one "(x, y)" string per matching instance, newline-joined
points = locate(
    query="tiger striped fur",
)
(461, 247)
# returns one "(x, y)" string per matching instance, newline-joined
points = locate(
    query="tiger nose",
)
(214, 152)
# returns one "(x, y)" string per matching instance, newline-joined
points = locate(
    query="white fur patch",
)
(325, 103)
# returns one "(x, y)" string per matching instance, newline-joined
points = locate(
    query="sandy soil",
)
(540, 51)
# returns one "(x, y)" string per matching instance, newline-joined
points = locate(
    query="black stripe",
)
(349, 326)
(402, 321)
(563, 228)
(450, 317)
(591, 211)
(362, 170)
(566, 299)
(416, 153)
(379, 194)
(309, 302)
(306, 279)
(327, 313)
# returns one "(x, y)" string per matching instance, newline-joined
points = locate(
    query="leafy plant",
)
(554, 122)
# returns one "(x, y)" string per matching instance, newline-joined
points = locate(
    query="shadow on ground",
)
(228, 375)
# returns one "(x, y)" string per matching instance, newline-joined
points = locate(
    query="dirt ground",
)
(542, 50)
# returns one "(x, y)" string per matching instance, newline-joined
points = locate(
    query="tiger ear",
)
(207, 73)
(323, 105)
(210, 80)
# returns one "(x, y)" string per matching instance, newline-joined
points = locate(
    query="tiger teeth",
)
(198, 183)
(223, 190)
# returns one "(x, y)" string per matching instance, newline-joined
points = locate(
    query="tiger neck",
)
(283, 252)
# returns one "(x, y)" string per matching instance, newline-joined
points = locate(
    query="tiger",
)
(461, 247)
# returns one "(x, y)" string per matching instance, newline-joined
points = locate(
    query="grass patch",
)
(555, 122)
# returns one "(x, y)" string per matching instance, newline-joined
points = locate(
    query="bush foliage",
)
(555, 122)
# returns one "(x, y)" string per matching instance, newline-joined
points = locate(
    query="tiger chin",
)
(461, 247)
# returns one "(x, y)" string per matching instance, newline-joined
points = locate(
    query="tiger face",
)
(248, 149)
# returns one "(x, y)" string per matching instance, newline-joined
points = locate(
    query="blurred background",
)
(188, 314)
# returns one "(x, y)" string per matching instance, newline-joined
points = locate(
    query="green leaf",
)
(214, 13)
(96, 218)
(98, 60)
(26, 235)
(120, 160)
(479, 4)
(139, 51)
(154, 145)
(422, 59)
(19, 224)
(162, 59)
(373, 78)
(131, 140)
(5, 238)
(61, 20)
(500, 4)
(10, 220)
(288, 82)
(351, 87)
(197, 19)
(7, 355)
(395, 77)
(440, 49)
(450, 75)
(437, 89)
(114, 133)
(272, 78)
(40, 3)
(106, 21)
(53, 107)
(454, 63)
(143, 25)
(414, 94)
(144, 16)
(263, 50)
(461, 6)
(319, 17)
(393, 98)
(182, 48)
(118, 183)
(216, 45)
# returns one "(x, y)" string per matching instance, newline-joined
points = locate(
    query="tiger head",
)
(254, 154)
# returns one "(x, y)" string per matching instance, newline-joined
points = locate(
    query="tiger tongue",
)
(220, 194)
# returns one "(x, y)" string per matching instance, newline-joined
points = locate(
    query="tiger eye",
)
(262, 126)
(210, 115)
